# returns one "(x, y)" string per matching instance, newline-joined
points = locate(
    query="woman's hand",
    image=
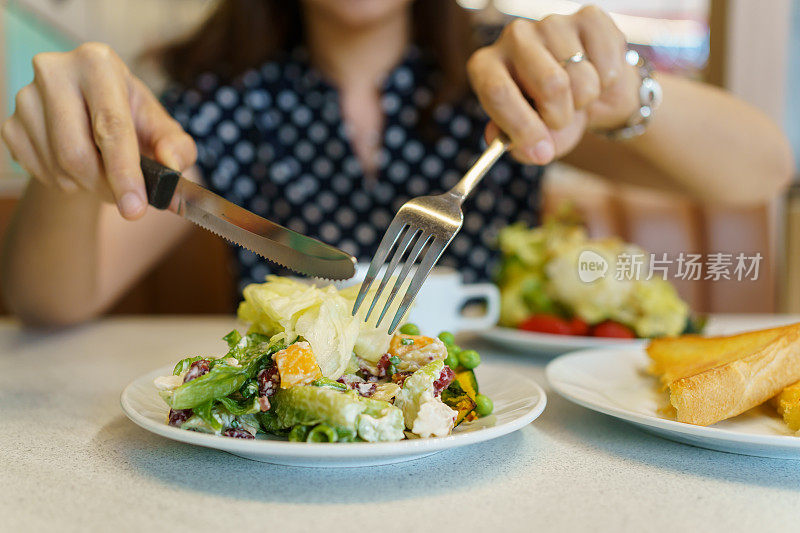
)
(81, 123)
(529, 63)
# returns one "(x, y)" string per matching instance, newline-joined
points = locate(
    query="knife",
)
(275, 243)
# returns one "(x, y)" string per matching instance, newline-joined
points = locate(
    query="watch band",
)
(650, 96)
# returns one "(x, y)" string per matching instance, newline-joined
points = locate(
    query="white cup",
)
(439, 305)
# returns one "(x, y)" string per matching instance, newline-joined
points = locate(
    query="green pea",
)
(469, 359)
(451, 360)
(448, 338)
(409, 329)
(484, 405)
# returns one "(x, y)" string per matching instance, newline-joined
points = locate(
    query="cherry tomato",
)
(579, 326)
(542, 323)
(612, 329)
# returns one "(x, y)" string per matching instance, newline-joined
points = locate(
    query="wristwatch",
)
(650, 96)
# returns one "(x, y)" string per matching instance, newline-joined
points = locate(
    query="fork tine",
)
(399, 252)
(431, 256)
(389, 238)
(409, 263)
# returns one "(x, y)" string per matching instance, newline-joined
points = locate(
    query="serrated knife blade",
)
(238, 225)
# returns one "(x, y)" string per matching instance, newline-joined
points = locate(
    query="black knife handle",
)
(160, 182)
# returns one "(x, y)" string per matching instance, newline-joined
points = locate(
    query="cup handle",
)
(480, 291)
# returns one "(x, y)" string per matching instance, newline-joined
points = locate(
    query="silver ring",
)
(577, 57)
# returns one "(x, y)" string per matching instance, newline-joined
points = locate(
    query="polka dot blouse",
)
(274, 141)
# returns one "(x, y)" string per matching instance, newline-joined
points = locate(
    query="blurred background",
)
(747, 47)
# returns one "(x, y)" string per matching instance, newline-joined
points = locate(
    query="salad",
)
(309, 371)
(541, 289)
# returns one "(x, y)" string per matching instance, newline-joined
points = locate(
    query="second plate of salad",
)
(562, 291)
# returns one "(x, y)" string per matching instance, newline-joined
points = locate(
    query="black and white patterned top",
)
(274, 142)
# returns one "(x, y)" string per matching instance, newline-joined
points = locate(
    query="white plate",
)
(615, 382)
(517, 402)
(549, 344)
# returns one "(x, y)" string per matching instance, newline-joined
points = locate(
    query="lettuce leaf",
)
(286, 309)
(372, 342)
(346, 412)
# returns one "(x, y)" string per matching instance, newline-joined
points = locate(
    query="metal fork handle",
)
(474, 175)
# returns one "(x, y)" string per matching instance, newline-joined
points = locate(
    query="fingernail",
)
(130, 204)
(542, 152)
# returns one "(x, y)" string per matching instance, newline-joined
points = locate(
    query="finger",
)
(562, 39)
(69, 133)
(22, 150)
(540, 75)
(604, 44)
(158, 132)
(106, 93)
(504, 102)
(30, 112)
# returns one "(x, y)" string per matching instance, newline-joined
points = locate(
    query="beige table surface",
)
(71, 461)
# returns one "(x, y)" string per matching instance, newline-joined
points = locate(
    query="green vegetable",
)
(448, 338)
(484, 405)
(452, 359)
(406, 342)
(241, 407)
(249, 389)
(223, 378)
(327, 382)
(232, 338)
(538, 274)
(287, 308)
(469, 359)
(409, 329)
(299, 433)
(346, 412)
(322, 433)
(347, 436)
(220, 381)
(210, 416)
(392, 368)
(184, 364)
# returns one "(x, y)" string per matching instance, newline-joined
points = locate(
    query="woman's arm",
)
(68, 257)
(702, 141)
(78, 130)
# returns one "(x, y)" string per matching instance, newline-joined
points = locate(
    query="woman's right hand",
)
(81, 123)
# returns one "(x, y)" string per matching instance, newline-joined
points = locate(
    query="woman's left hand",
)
(529, 63)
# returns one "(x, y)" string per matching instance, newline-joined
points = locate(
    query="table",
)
(71, 461)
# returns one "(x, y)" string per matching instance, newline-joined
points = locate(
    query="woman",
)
(287, 99)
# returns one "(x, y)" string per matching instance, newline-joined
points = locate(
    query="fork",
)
(429, 223)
